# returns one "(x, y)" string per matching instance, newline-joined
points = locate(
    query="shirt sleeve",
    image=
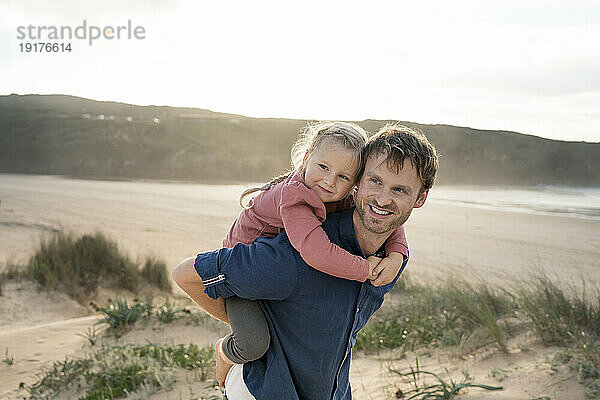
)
(397, 242)
(266, 269)
(302, 213)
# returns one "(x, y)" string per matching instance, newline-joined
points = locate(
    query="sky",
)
(526, 66)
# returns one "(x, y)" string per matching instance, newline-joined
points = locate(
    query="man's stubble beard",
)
(361, 208)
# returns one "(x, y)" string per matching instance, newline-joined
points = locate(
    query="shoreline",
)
(466, 186)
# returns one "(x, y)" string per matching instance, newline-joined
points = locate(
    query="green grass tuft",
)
(429, 385)
(441, 315)
(79, 265)
(569, 318)
(10, 270)
(118, 371)
(559, 316)
(120, 316)
(168, 313)
(154, 271)
(8, 360)
(482, 306)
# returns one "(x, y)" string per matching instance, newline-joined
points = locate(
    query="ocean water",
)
(577, 202)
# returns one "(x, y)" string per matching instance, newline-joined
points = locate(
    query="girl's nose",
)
(329, 179)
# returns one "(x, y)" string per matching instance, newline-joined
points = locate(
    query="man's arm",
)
(187, 278)
(265, 269)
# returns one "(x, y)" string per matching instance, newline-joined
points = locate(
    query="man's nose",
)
(383, 198)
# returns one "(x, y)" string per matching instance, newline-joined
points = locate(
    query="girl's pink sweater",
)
(293, 207)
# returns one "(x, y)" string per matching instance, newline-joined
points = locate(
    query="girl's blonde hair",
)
(346, 134)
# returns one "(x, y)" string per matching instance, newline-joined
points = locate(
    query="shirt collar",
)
(343, 221)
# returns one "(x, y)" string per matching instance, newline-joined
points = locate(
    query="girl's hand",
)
(373, 263)
(387, 269)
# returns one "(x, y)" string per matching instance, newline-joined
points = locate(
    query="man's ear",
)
(421, 199)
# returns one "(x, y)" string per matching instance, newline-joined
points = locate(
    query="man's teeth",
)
(380, 212)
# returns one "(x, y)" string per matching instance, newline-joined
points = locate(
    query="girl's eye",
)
(344, 177)
(323, 167)
(399, 190)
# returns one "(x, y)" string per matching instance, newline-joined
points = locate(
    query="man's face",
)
(385, 199)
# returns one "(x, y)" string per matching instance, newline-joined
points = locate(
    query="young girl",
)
(327, 160)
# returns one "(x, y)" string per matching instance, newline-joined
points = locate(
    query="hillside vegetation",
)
(57, 134)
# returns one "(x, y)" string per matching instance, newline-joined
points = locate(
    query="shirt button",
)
(357, 309)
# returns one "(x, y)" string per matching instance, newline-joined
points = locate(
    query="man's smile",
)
(379, 212)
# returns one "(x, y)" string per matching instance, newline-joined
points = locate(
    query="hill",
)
(66, 135)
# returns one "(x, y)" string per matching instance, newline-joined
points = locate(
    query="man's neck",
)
(369, 242)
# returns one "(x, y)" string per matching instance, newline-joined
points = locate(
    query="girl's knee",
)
(262, 345)
(255, 346)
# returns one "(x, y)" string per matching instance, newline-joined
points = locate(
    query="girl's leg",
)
(249, 338)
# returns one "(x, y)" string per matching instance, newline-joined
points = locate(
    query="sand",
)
(177, 220)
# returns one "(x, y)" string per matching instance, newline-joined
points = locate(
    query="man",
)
(314, 318)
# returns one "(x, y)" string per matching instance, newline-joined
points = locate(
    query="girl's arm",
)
(299, 208)
(397, 243)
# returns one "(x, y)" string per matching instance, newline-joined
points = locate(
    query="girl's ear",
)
(304, 160)
(305, 156)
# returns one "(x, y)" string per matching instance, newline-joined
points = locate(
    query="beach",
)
(177, 220)
(173, 220)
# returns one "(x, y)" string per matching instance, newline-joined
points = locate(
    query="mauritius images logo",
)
(85, 31)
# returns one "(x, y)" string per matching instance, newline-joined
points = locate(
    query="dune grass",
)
(10, 270)
(429, 385)
(482, 305)
(449, 314)
(118, 371)
(438, 315)
(568, 318)
(427, 315)
(120, 316)
(78, 265)
(154, 271)
(560, 316)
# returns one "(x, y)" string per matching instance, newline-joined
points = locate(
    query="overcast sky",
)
(526, 66)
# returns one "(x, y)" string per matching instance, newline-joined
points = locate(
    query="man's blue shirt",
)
(313, 317)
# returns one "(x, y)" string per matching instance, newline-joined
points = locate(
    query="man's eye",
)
(375, 181)
(324, 167)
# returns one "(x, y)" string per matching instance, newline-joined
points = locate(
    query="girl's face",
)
(330, 171)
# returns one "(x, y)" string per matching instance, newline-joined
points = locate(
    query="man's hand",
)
(387, 269)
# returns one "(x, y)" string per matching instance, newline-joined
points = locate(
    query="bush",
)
(79, 265)
(120, 316)
(482, 306)
(10, 270)
(155, 273)
(442, 315)
(559, 316)
(115, 372)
